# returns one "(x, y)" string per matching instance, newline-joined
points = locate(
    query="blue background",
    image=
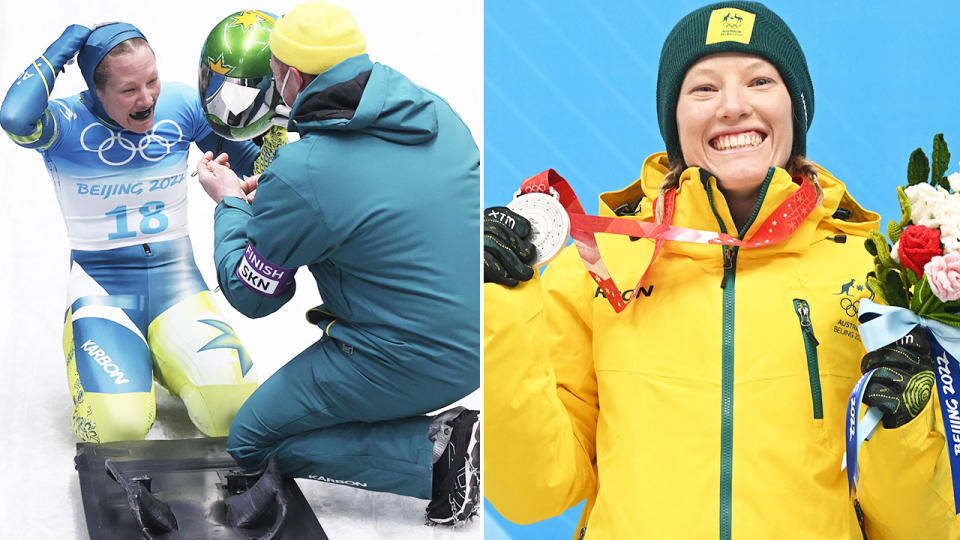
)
(571, 85)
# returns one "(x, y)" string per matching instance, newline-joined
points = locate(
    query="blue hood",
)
(361, 96)
(100, 42)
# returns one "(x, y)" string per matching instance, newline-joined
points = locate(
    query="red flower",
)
(918, 245)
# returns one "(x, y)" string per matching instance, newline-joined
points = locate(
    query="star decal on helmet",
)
(218, 66)
(227, 340)
(249, 19)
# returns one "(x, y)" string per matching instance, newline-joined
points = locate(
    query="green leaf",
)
(893, 290)
(918, 168)
(877, 288)
(923, 301)
(889, 280)
(952, 306)
(946, 318)
(883, 249)
(894, 230)
(906, 209)
(944, 183)
(940, 158)
(912, 279)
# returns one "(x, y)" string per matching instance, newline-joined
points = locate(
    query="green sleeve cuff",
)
(235, 202)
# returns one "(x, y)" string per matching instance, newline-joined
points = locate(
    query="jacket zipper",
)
(859, 511)
(728, 284)
(729, 262)
(810, 344)
(726, 392)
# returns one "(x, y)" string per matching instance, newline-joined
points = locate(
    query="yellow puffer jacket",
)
(708, 408)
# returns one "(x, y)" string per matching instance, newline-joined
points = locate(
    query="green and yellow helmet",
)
(237, 90)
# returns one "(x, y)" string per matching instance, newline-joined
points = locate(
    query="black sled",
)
(166, 490)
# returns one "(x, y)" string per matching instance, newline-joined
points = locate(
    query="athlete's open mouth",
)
(743, 139)
(142, 115)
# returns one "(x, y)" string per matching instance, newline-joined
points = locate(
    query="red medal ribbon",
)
(782, 223)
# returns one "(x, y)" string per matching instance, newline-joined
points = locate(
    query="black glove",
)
(904, 379)
(506, 251)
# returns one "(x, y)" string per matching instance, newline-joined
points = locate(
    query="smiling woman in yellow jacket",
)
(714, 406)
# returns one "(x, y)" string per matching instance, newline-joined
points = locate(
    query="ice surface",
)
(437, 43)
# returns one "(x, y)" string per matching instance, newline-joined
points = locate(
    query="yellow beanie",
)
(316, 36)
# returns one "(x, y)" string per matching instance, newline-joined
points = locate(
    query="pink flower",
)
(943, 273)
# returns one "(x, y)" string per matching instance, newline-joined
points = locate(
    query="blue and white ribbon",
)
(948, 373)
(858, 430)
(886, 324)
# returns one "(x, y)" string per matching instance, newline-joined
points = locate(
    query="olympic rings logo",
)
(117, 139)
(539, 187)
(850, 307)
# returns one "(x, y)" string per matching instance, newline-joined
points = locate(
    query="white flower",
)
(951, 206)
(920, 195)
(950, 245)
(954, 180)
(931, 206)
(950, 236)
(895, 252)
(916, 191)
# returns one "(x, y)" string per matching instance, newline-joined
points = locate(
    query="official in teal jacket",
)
(378, 199)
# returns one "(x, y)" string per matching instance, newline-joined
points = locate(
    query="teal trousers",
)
(337, 415)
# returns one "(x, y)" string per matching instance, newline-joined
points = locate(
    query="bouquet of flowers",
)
(918, 280)
(921, 272)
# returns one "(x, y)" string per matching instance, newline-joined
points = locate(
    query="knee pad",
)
(212, 407)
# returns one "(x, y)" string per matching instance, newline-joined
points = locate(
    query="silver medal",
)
(549, 223)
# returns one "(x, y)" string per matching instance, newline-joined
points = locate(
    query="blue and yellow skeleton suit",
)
(138, 309)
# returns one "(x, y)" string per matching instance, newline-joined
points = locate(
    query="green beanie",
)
(741, 27)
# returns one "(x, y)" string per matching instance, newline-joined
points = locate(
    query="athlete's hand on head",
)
(74, 36)
(217, 179)
(64, 49)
